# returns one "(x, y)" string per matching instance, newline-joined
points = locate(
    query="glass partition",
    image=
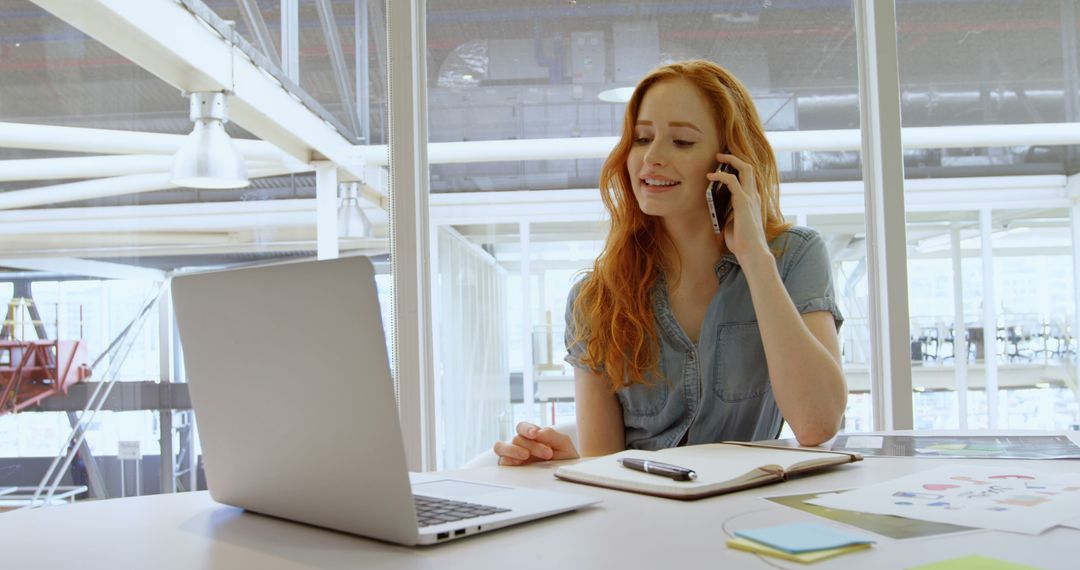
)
(991, 325)
(549, 72)
(91, 228)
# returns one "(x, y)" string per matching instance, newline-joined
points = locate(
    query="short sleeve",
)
(575, 347)
(807, 274)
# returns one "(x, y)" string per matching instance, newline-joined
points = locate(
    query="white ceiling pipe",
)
(974, 183)
(95, 167)
(200, 217)
(1035, 181)
(81, 139)
(158, 210)
(98, 188)
(977, 136)
(229, 222)
(530, 149)
(479, 202)
(19, 243)
(76, 139)
(252, 244)
(87, 267)
(815, 141)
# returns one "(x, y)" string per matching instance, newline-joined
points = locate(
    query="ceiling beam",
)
(168, 40)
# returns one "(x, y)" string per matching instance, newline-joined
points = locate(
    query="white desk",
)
(625, 531)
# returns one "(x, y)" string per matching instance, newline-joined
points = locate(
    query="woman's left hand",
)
(744, 232)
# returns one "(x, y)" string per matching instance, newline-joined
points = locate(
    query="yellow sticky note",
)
(974, 562)
(805, 557)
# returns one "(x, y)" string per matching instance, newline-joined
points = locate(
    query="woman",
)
(680, 335)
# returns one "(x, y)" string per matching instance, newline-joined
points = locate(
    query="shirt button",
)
(690, 356)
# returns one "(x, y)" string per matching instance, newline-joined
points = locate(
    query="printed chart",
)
(997, 498)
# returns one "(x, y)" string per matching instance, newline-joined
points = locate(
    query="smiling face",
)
(674, 147)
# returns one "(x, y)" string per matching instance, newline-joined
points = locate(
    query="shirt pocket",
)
(644, 399)
(739, 370)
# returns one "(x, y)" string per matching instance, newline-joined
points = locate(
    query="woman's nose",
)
(654, 156)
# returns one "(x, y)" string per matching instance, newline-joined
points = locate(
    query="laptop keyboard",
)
(431, 511)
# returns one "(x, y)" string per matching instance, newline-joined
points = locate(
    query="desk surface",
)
(190, 530)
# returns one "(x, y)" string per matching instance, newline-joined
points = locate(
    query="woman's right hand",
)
(533, 443)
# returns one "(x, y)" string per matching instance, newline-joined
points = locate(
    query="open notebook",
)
(720, 468)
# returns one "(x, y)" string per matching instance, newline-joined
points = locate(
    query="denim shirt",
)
(718, 389)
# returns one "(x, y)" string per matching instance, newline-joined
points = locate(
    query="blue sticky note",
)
(803, 537)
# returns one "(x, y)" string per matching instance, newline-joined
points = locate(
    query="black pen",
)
(656, 468)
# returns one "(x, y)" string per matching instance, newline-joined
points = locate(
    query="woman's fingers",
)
(525, 429)
(510, 461)
(522, 449)
(510, 451)
(735, 161)
(551, 437)
(533, 443)
(541, 442)
(745, 178)
(535, 448)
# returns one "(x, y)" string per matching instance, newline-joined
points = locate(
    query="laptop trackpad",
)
(453, 489)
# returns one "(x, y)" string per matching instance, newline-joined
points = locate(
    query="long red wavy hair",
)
(613, 310)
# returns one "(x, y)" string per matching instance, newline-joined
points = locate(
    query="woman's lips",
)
(658, 189)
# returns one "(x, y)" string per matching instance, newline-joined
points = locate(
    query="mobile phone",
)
(718, 197)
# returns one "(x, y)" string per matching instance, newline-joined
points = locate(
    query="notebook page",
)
(720, 461)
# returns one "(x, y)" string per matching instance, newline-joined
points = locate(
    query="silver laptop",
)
(291, 386)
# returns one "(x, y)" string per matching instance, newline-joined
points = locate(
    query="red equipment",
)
(33, 370)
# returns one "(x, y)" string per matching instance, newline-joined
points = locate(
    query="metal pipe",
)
(255, 22)
(196, 209)
(107, 141)
(76, 139)
(95, 167)
(225, 223)
(974, 136)
(960, 343)
(290, 39)
(337, 62)
(363, 99)
(989, 317)
(99, 188)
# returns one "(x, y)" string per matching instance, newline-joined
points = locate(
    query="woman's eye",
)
(679, 142)
(642, 140)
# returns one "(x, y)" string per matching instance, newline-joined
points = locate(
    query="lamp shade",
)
(208, 158)
(616, 95)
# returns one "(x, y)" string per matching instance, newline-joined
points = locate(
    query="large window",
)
(541, 71)
(93, 227)
(991, 323)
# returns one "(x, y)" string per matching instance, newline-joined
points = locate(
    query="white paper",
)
(1075, 523)
(864, 441)
(1000, 498)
